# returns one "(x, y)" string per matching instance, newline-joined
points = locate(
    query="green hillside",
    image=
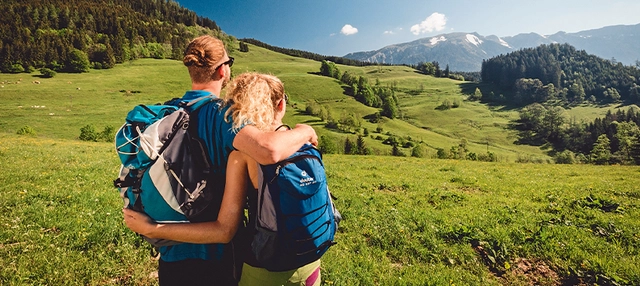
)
(58, 107)
(407, 220)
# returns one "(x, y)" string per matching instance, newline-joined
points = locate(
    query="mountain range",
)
(465, 52)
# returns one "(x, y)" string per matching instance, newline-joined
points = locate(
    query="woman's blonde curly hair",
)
(254, 99)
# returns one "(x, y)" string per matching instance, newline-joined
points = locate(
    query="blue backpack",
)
(294, 219)
(165, 170)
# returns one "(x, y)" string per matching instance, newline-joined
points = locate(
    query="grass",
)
(422, 221)
(407, 221)
(58, 107)
(61, 222)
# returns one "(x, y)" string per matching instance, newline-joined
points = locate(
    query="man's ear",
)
(220, 72)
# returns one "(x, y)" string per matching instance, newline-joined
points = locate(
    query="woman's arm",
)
(220, 231)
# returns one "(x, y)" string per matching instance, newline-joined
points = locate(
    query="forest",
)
(613, 139)
(560, 73)
(307, 55)
(75, 35)
(546, 80)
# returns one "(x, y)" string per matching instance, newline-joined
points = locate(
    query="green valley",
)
(407, 221)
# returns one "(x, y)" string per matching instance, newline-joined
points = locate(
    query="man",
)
(209, 67)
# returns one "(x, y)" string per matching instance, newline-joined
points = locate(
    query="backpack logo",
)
(305, 180)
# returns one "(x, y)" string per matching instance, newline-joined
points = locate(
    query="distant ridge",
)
(307, 55)
(466, 51)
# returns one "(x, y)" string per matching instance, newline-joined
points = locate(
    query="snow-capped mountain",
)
(465, 51)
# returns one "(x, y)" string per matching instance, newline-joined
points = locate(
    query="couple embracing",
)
(238, 132)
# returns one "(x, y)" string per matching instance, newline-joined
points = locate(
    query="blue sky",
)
(338, 27)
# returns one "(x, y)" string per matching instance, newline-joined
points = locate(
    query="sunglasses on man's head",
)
(286, 97)
(229, 62)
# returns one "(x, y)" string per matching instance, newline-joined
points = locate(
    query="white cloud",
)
(348, 30)
(332, 34)
(392, 32)
(435, 22)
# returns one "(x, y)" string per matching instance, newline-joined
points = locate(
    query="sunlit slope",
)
(60, 106)
(419, 95)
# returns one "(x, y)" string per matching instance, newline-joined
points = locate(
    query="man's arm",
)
(271, 147)
(220, 231)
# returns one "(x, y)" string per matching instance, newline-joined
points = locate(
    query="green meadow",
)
(407, 221)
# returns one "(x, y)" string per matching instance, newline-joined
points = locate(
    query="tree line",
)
(433, 69)
(560, 73)
(307, 55)
(613, 139)
(75, 35)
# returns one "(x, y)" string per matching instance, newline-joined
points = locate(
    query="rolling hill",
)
(60, 106)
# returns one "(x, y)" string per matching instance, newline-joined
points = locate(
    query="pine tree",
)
(362, 146)
(350, 147)
(601, 152)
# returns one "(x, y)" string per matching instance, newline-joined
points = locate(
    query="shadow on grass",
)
(469, 88)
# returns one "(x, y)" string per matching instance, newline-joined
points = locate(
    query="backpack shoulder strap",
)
(200, 101)
(191, 105)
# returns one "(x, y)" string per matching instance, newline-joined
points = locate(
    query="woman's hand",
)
(138, 222)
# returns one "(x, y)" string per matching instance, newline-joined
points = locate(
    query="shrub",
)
(16, 68)
(313, 108)
(88, 133)
(581, 158)
(408, 144)
(327, 145)
(488, 157)
(446, 104)
(78, 62)
(419, 151)
(442, 154)
(395, 151)
(331, 124)
(565, 157)
(107, 134)
(26, 130)
(47, 72)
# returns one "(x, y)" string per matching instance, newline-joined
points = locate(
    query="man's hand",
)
(138, 222)
(312, 133)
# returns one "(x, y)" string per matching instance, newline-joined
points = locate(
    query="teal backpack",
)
(165, 170)
(293, 218)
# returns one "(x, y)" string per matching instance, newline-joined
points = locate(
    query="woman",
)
(257, 100)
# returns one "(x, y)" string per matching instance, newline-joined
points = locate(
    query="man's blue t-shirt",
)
(218, 135)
